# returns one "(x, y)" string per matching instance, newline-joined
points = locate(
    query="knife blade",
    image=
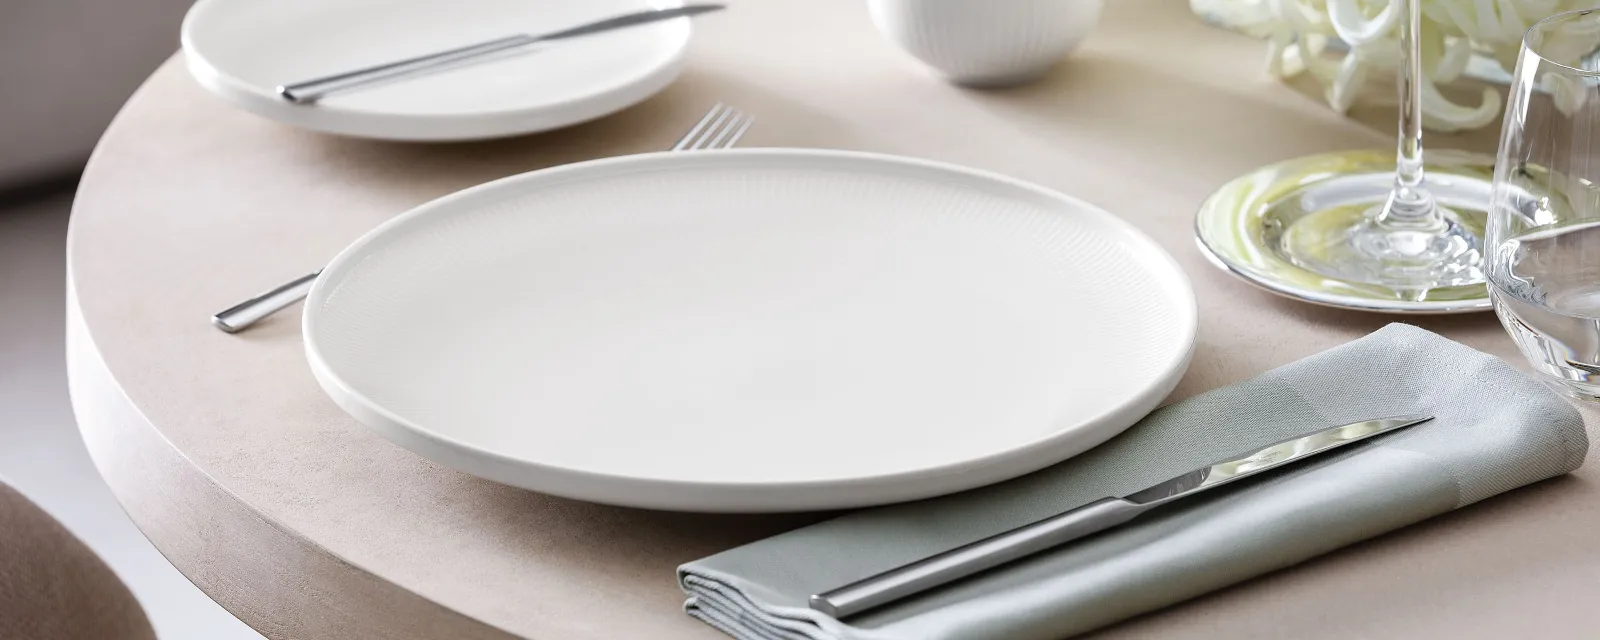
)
(1097, 516)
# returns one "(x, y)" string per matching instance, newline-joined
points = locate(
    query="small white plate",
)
(751, 330)
(241, 50)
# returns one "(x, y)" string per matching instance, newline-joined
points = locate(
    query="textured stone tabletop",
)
(307, 525)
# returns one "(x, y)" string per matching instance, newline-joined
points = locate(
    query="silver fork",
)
(721, 128)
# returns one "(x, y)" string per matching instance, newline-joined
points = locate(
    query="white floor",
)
(40, 450)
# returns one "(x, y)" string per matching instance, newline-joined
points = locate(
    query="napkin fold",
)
(1494, 429)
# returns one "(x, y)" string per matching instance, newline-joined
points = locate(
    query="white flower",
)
(1306, 35)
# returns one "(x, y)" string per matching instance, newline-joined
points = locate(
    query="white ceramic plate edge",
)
(678, 495)
(426, 128)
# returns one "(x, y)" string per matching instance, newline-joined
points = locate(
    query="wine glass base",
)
(1306, 228)
(1347, 242)
(1568, 388)
(1581, 392)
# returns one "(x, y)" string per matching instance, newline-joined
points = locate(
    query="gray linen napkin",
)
(1494, 430)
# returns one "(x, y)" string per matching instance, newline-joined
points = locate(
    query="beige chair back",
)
(52, 587)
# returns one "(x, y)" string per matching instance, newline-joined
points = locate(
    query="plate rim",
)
(753, 496)
(396, 127)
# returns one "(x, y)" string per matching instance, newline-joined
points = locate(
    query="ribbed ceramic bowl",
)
(987, 43)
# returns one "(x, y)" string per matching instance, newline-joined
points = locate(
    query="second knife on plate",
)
(308, 91)
(1097, 516)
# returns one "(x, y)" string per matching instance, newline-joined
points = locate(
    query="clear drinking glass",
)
(1542, 256)
(1359, 230)
(1410, 241)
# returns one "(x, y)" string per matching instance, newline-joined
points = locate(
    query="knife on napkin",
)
(1495, 429)
(1089, 519)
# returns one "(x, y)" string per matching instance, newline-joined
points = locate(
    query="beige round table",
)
(307, 525)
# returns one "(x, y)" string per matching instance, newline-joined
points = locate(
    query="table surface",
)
(305, 524)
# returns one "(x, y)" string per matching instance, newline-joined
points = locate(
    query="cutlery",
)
(1094, 517)
(308, 91)
(720, 128)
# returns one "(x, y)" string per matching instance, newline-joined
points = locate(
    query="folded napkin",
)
(1494, 430)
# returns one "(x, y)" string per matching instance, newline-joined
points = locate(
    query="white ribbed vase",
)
(987, 43)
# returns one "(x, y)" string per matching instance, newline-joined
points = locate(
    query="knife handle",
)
(311, 90)
(941, 569)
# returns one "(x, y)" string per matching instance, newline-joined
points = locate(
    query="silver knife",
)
(310, 90)
(1094, 517)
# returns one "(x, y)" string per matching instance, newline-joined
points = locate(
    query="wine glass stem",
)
(1410, 205)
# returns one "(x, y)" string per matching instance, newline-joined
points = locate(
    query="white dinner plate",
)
(241, 50)
(751, 330)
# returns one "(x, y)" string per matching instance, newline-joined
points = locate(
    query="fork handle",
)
(721, 127)
(244, 314)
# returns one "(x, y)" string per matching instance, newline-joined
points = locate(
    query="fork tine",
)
(739, 133)
(688, 140)
(709, 136)
(731, 133)
(720, 128)
(699, 141)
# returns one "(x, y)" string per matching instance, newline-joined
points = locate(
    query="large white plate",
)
(241, 50)
(751, 330)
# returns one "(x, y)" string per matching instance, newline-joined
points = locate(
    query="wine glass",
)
(1543, 256)
(1355, 229)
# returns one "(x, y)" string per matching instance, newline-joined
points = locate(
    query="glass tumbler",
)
(1542, 244)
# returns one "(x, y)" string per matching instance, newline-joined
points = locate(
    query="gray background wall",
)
(65, 68)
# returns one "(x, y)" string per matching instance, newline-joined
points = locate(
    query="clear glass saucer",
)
(1287, 227)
